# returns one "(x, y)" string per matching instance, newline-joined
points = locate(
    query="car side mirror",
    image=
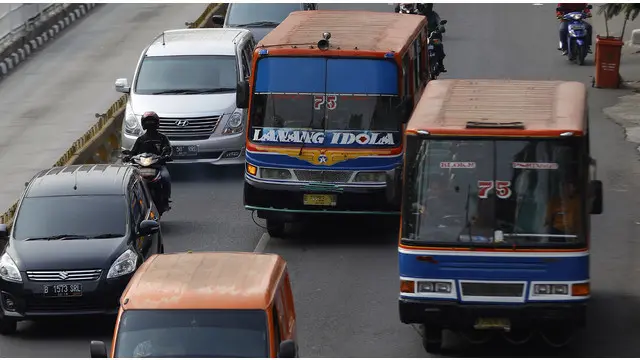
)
(589, 7)
(122, 86)
(242, 95)
(98, 349)
(443, 22)
(287, 349)
(4, 233)
(125, 152)
(148, 227)
(217, 20)
(597, 198)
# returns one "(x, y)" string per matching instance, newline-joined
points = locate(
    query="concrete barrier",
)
(102, 139)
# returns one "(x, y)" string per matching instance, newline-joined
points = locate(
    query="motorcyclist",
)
(564, 25)
(154, 142)
(433, 23)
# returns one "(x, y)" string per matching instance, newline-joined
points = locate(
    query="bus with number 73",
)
(329, 95)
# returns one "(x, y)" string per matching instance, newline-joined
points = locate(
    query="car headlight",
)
(124, 264)
(371, 177)
(277, 174)
(234, 123)
(551, 289)
(434, 287)
(131, 122)
(9, 270)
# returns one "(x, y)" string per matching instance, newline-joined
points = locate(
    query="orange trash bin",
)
(608, 52)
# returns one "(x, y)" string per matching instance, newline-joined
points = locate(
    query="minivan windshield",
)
(87, 215)
(256, 14)
(193, 333)
(525, 192)
(193, 74)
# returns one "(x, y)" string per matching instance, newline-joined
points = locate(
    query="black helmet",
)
(150, 120)
(427, 7)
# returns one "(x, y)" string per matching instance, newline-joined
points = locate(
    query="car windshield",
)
(42, 217)
(197, 74)
(327, 112)
(256, 13)
(494, 193)
(193, 333)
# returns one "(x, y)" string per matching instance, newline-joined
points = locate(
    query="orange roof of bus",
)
(205, 280)
(545, 108)
(350, 30)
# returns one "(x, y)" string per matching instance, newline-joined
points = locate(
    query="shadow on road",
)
(183, 173)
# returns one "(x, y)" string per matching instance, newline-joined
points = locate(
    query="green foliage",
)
(630, 11)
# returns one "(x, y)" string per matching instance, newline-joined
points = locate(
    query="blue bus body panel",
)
(363, 162)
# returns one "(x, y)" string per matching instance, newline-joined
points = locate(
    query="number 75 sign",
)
(502, 188)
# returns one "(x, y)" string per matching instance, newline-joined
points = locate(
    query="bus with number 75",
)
(329, 95)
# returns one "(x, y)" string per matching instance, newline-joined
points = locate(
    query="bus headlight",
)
(434, 287)
(551, 289)
(371, 177)
(275, 174)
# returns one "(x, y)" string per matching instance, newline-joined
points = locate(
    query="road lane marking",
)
(262, 243)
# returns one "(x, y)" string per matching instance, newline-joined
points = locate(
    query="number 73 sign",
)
(502, 188)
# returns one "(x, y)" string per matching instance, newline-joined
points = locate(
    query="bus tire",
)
(276, 228)
(432, 339)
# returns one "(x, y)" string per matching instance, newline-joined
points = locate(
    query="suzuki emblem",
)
(182, 123)
(63, 275)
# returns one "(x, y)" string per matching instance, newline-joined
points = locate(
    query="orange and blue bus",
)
(499, 186)
(329, 95)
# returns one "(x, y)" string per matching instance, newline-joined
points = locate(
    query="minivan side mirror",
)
(3, 232)
(242, 95)
(148, 227)
(217, 20)
(589, 7)
(287, 349)
(98, 349)
(596, 193)
(122, 85)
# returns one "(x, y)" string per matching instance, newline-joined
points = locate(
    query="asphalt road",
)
(345, 275)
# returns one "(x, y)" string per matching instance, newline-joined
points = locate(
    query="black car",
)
(79, 234)
(259, 18)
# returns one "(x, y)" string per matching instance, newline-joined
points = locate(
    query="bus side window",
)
(417, 81)
(406, 74)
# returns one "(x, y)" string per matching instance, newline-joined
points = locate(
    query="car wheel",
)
(8, 326)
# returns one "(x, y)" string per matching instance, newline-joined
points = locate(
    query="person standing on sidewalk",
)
(566, 8)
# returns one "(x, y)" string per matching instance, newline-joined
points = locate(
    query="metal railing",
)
(17, 19)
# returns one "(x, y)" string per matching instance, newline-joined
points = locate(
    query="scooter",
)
(435, 39)
(149, 166)
(576, 35)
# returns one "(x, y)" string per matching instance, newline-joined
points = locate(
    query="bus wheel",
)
(432, 339)
(275, 228)
(478, 337)
(518, 337)
(557, 336)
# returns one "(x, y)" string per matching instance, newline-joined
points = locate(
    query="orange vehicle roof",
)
(542, 106)
(350, 30)
(205, 280)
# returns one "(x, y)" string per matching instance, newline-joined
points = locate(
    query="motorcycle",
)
(149, 166)
(576, 35)
(435, 39)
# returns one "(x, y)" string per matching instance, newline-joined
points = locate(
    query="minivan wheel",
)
(8, 326)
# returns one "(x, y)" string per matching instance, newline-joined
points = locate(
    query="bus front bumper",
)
(455, 316)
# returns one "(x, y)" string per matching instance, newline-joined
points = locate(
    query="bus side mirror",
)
(406, 108)
(287, 349)
(393, 178)
(242, 95)
(98, 349)
(596, 192)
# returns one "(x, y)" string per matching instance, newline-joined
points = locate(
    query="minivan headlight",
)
(124, 264)
(234, 123)
(9, 270)
(131, 122)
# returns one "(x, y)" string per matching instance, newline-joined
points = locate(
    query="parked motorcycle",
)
(435, 40)
(149, 166)
(576, 35)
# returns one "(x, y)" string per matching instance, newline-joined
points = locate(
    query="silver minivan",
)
(189, 77)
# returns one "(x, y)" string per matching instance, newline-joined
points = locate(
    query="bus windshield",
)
(495, 193)
(326, 94)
